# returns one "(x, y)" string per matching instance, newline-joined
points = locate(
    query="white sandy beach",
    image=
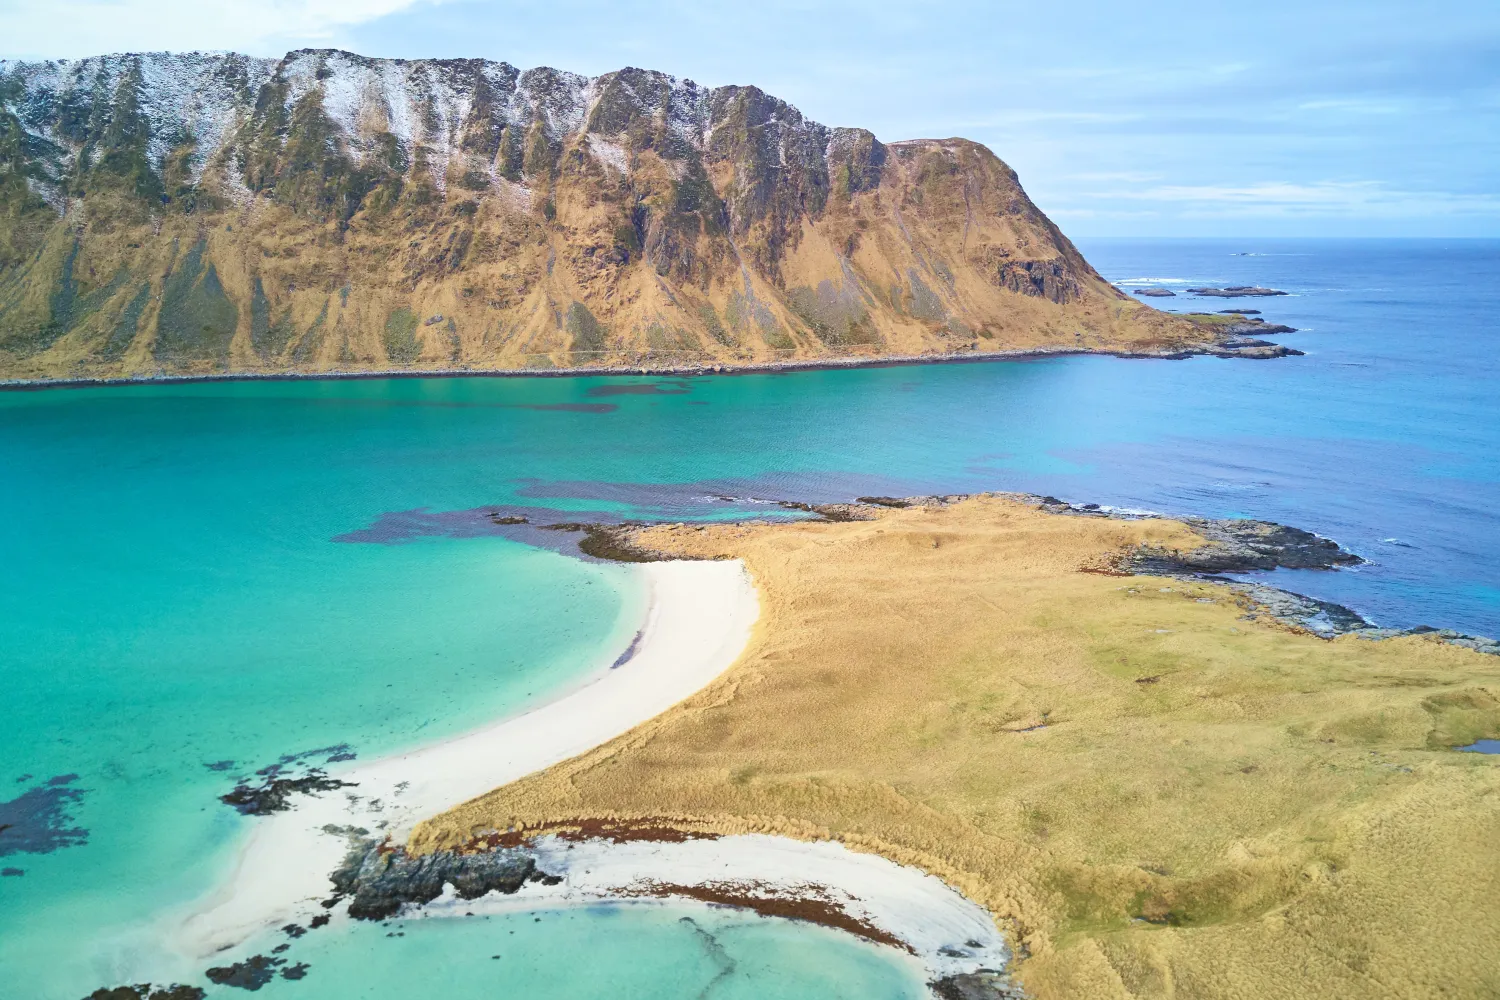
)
(698, 621)
(948, 933)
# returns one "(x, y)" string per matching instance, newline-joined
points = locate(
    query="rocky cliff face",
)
(187, 213)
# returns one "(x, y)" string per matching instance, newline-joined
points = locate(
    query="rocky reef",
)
(146, 991)
(327, 212)
(378, 879)
(273, 794)
(980, 985)
(40, 820)
(1243, 545)
(271, 788)
(1240, 545)
(1235, 291)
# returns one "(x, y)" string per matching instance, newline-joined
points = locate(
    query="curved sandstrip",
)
(947, 933)
(698, 621)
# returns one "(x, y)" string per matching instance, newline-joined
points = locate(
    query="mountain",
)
(193, 213)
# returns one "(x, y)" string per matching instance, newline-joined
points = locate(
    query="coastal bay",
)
(347, 524)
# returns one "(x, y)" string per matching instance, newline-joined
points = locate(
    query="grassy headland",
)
(1157, 795)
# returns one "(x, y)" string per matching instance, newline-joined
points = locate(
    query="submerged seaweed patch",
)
(277, 784)
(40, 820)
(670, 387)
(145, 991)
(573, 407)
(760, 496)
(251, 974)
(274, 794)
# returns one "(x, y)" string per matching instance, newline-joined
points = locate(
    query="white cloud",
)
(34, 29)
(1365, 199)
(1116, 176)
(1354, 105)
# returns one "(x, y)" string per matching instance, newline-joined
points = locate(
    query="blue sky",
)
(1273, 118)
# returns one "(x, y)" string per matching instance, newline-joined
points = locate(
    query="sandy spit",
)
(698, 621)
(946, 933)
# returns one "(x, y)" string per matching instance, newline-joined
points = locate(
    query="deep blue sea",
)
(229, 572)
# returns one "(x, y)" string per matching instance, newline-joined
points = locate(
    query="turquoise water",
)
(172, 599)
(625, 952)
(239, 571)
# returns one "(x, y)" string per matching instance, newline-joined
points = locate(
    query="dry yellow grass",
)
(1157, 796)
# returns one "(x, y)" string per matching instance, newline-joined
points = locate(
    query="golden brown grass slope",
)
(1157, 795)
(668, 224)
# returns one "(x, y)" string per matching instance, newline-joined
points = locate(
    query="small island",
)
(1236, 291)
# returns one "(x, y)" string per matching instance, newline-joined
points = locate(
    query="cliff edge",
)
(196, 214)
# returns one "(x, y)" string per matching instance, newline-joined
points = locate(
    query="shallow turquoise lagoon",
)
(173, 599)
(625, 952)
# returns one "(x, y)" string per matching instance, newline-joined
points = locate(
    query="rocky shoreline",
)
(1243, 546)
(378, 882)
(1233, 546)
(1216, 349)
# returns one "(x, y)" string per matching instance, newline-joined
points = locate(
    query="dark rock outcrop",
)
(1258, 328)
(1241, 340)
(292, 774)
(146, 991)
(1240, 546)
(273, 794)
(251, 974)
(379, 880)
(1322, 618)
(1235, 291)
(1262, 351)
(981, 985)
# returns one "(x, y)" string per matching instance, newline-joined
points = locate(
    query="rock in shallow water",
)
(981, 985)
(379, 880)
(146, 992)
(251, 974)
(1235, 291)
(274, 793)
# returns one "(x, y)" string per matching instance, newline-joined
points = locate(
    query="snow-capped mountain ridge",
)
(216, 212)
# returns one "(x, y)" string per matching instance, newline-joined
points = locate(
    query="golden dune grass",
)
(1157, 796)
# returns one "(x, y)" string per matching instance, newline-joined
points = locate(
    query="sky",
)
(1273, 118)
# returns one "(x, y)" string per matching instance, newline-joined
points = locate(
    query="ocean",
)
(201, 579)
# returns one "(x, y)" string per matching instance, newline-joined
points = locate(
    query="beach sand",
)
(699, 618)
(897, 905)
